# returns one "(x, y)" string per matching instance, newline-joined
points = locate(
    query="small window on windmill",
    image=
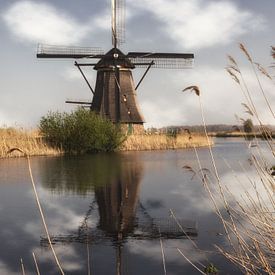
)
(129, 112)
(124, 98)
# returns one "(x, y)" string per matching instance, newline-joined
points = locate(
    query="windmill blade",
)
(52, 51)
(118, 22)
(162, 60)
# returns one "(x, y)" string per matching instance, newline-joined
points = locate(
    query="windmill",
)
(114, 95)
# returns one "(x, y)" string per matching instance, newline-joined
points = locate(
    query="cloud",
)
(199, 24)
(221, 98)
(34, 21)
(4, 269)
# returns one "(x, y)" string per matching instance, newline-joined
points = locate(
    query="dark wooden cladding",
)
(104, 101)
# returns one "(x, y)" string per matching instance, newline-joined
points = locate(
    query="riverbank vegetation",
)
(245, 206)
(30, 141)
(35, 144)
(164, 141)
(81, 131)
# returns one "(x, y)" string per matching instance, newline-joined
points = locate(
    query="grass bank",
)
(243, 134)
(34, 144)
(163, 142)
(30, 142)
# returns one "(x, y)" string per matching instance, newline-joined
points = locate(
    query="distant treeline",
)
(212, 128)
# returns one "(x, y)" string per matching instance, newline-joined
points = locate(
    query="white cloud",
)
(40, 22)
(4, 269)
(221, 98)
(198, 24)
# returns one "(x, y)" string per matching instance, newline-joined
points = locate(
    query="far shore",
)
(242, 135)
(33, 144)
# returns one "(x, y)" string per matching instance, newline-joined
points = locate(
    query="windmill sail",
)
(118, 22)
(162, 60)
(52, 51)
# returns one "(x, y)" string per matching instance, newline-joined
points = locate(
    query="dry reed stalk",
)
(88, 259)
(30, 141)
(263, 231)
(36, 265)
(197, 91)
(22, 266)
(244, 50)
(162, 142)
(245, 91)
(250, 253)
(162, 254)
(183, 231)
(42, 217)
(39, 207)
(190, 262)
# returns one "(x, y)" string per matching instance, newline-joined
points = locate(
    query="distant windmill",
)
(114, 96)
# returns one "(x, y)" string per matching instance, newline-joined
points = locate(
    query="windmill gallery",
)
(114, 95)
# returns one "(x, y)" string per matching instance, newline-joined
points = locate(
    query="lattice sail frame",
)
(45, 50)
(118, 22)
(162, 60)
(165, 63)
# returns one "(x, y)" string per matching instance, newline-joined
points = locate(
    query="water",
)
(117, 203)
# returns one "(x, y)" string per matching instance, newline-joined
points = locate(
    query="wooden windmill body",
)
(114, 95)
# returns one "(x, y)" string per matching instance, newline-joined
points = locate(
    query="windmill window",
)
(129, 112)
(124, 98)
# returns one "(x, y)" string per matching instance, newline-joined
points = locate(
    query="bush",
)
(81, 131)
(248, 126)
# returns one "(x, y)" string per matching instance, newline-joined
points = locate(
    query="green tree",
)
(81, 131)
(248, 126)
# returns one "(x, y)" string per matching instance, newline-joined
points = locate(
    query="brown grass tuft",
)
(244, 50)
(192, 88)
(163, 142)
(30, 141)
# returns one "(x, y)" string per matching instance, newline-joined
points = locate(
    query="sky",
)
(211, 29)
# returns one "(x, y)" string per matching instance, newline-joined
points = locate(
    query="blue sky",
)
(208, 28)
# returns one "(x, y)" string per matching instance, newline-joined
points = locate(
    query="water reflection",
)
(116, 203)
(113, 182)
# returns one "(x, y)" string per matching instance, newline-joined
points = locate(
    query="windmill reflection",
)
(121, 214)
(117, 200)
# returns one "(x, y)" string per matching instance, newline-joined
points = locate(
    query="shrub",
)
(248, 126)
(81, 131)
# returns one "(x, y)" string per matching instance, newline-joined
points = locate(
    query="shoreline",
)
(33, 144)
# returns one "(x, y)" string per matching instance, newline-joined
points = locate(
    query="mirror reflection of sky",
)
(151, 183)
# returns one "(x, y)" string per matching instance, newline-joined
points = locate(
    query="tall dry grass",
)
(34, 144)
(30, 141)
(247, 214)
(163, 142)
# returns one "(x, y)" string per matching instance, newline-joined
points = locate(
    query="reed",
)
(247, 215)
(34, 144)
(31, 141)
(163, 142)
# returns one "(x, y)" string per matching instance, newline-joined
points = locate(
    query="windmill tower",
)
(114, 95)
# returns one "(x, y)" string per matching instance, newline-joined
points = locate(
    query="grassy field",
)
(33, 143)
(162, 142)
(29, 141)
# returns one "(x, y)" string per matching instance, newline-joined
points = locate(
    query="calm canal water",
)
(118, 203)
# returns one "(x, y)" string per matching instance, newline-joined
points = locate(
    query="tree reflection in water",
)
(113, 181)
